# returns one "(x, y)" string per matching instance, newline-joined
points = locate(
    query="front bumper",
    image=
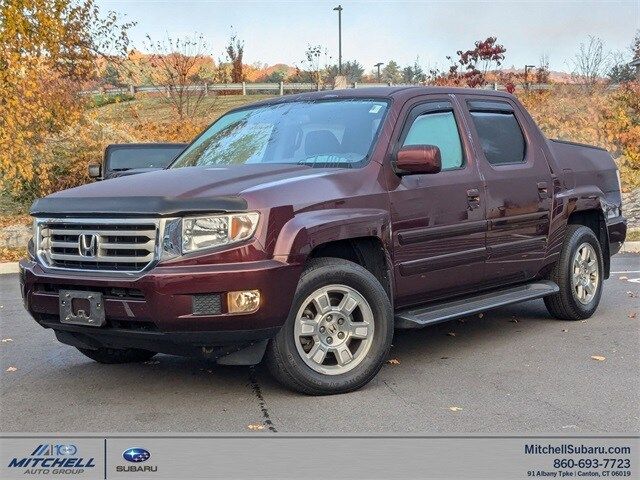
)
(154, 310)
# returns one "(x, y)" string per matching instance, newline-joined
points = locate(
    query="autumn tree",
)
(476, 62)
(235, 52)
(48, 49)
(543, 74)
(175, 67)
(471, 66)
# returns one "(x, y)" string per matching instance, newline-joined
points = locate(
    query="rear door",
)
(519, 188)
(438, 220)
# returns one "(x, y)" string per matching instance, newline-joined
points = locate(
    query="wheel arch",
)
(358, 235)
(368, 252)
(594, 219)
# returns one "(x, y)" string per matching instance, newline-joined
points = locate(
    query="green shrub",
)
(102, 99)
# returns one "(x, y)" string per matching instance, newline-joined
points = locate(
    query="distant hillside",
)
(554, 75)
(257, 75)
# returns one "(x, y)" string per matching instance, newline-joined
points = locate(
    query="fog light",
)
(245, 301)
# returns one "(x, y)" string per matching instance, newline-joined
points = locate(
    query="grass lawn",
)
(156, 108)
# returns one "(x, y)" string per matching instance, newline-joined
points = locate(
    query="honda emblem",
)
(87, 245)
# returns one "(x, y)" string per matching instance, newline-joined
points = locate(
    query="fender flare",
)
(585, 199)
(307, 230)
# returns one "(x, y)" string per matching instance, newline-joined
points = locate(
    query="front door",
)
(519, 188)
(438, 220)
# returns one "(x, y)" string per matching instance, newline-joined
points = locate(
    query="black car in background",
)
(122, 159)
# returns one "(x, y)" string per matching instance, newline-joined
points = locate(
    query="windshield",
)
(142, 157)
(336, 133)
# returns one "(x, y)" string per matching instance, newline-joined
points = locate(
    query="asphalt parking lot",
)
(515, 370)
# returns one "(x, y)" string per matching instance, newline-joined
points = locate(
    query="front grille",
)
(97, 245)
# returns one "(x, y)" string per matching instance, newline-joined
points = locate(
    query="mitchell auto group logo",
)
(53, 459)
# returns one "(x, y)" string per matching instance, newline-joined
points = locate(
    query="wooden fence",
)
(280, 88)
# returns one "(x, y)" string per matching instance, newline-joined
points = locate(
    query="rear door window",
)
(500, 136)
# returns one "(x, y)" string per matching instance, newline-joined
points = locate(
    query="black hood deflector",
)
(133, 206)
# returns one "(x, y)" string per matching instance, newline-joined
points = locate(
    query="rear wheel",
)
(338, 333)
(117, 355)
(579, 274)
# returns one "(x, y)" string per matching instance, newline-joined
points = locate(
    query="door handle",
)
(473, 198)
(543, 190)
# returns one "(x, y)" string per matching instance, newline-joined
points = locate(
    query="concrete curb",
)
(12, 267)
(630, 247)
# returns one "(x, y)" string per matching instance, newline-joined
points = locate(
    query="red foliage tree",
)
(472, 66)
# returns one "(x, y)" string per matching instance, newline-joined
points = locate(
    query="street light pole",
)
(339, 10)
(377, 65)
(526, 75)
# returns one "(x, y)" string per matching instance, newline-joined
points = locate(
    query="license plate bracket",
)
(73, 311)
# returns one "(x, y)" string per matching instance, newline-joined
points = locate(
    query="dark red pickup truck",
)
(306, 228)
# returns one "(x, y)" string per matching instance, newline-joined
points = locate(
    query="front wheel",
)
(579, 273)
(338, 333)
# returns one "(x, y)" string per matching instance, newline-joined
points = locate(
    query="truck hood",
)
(176, 191)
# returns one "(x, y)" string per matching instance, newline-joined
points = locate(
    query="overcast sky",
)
(376, 31)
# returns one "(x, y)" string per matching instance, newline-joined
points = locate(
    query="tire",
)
(367, 331)
(566, 304)
(117, 355)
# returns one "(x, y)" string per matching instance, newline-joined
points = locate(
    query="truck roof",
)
(398, 92)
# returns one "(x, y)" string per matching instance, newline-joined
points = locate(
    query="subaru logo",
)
(136, 455)
(87, 245)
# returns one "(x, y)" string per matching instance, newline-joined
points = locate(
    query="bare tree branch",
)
(175, 64)
(590, 62)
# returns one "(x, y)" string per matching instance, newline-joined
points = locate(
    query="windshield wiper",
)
(327, 164)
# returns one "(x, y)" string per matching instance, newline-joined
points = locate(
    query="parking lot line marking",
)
(628, 271)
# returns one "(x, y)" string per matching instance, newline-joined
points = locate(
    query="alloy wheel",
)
(585, 275)
(334, 329)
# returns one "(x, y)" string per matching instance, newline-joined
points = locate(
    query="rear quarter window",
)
(500, 136)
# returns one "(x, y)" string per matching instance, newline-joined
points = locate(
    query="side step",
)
(422, 316)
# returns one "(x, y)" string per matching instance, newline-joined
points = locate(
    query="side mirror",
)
(95, 170)
(419, 159)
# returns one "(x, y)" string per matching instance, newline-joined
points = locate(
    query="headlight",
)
(216, 230)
